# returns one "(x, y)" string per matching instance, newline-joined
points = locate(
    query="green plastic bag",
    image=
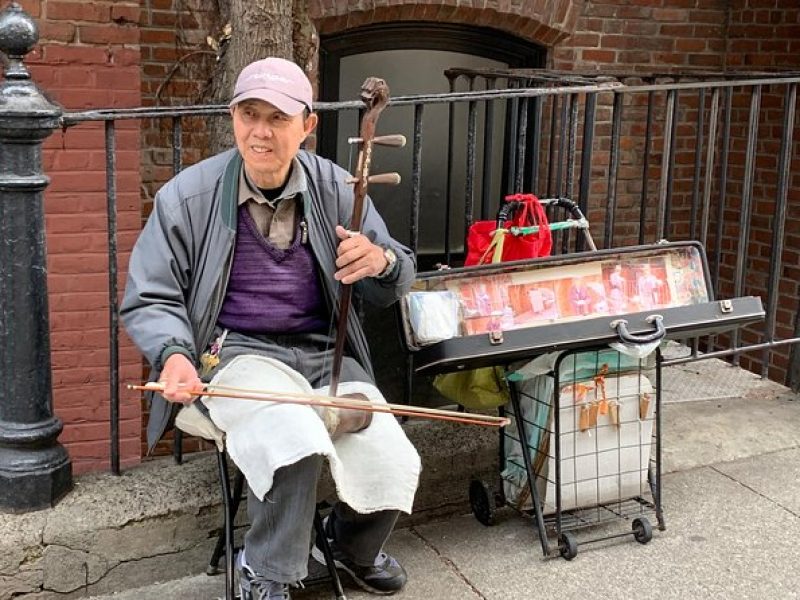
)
(475, 389)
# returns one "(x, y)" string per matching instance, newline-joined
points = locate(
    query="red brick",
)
(158, 36)
(77, 11)
(690, 45)
(677, 30)
(75, 55)
(32, 7)
(125, 14)
(669, 14)
(163, 19)
(57, 32)
(602, 56)
(68, 76)
(108, 34)
(125, 57)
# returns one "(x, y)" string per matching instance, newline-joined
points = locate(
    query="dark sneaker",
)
(385, 576)
(253, 586)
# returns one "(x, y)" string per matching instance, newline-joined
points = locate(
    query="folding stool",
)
(194, 420)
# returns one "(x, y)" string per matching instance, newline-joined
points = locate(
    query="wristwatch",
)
(391, 260)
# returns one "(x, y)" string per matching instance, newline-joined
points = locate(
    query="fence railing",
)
(674, 142)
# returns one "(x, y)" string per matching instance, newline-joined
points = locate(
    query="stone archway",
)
(541, 21)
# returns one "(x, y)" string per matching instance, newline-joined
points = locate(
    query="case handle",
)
(621, 327)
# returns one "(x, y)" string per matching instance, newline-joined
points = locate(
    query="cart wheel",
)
(642, 530)
(567, 545)
(482, 502)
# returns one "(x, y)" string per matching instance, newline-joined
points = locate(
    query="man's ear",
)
(310, 123)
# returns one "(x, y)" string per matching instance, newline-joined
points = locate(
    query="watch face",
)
(391, 259)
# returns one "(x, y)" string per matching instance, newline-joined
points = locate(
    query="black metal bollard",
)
(35, 470)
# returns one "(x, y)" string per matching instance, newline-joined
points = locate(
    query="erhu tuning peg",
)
(395, 140)
(390, 178)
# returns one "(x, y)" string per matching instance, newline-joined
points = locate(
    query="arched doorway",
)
(413, 57)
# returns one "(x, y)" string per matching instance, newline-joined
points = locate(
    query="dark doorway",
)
(413, 57)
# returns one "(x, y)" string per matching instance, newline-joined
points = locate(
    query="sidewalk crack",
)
(756, 492)
(447, 561)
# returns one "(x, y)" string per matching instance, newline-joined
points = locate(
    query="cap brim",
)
(282, 102)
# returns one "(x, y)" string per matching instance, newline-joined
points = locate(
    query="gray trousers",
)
(278, 541)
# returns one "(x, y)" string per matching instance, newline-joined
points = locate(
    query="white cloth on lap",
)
(374, 469)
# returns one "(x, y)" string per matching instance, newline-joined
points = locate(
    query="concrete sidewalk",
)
(731, 502)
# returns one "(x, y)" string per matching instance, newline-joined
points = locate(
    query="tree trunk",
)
(259, 28)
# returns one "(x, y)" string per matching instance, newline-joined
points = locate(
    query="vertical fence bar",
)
(521, 142)
(572, 143)
(562, 147)
(648, 135)
(413, 234)
(177, 165)
(666, 168)
(537, 143)
(511, 146)
(551, 147)
(113, 308)
(586, 161)
(747, 201)
(723, 188)
(559, 188)
(710, 151)
(416, 178)
(571, 150)
(698, 153)
(716, 260)
(469, 187)
(779, 222)
(488, 142)
(613, 171)
(177, 145)
(673, 134)
(448, 187)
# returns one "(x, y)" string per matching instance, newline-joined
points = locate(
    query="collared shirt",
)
(275, 219)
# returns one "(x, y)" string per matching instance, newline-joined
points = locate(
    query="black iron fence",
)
(691, 159)
(554, 140)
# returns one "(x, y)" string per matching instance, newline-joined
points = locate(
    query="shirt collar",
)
(295, 185)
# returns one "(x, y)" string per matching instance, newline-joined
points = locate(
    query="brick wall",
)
(176, 66)
(764, 35)
(88, 57)
(678, 36)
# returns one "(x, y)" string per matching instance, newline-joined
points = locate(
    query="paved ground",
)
(732, 508)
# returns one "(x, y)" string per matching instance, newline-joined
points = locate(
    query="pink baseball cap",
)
(277, 81)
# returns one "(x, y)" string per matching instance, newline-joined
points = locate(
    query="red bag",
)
(510, 237)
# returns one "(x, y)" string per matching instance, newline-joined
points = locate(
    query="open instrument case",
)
(584, 446)
(511, 311)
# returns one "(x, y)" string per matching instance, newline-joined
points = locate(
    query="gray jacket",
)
(179, 268)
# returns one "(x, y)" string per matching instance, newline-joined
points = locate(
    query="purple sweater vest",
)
(271, 290)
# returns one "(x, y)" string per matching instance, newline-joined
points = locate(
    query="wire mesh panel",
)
(589, 421)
